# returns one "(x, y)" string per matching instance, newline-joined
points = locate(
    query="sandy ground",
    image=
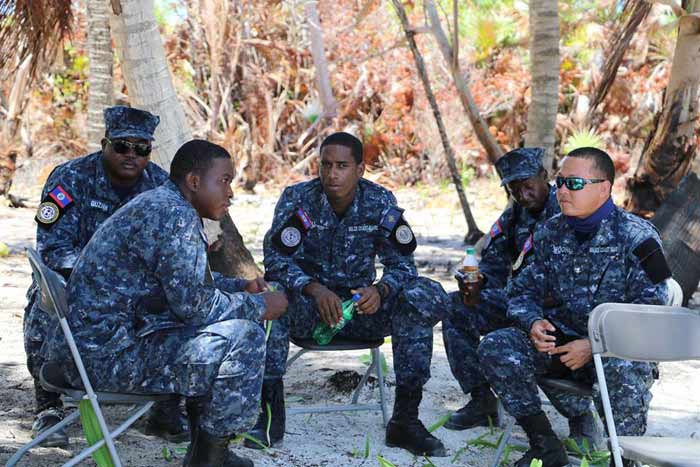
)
(322, 439)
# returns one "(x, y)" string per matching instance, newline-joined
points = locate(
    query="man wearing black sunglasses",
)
(77, 198)
(593, 252)
(481, 308)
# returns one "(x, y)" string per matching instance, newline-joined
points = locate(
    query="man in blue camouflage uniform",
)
(149, 316)
(77, 198)
(325, 237)
(591, 253)
(481, 308)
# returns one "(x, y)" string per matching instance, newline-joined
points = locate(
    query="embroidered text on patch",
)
(99, 205)
(362, 228)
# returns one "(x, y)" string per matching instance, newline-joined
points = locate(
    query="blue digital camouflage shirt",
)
(613, 266)
(83, 184)
(144, 270)
(309, 242)
(510, 238)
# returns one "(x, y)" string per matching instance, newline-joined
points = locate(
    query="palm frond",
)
(32, 28)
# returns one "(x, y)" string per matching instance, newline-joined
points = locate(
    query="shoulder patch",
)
(52, 207)
(47, 213)
(395, 227)
(292, 233)
(652, 260)
(496, 229)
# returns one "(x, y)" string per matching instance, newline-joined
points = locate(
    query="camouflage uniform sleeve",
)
(648, 270)
(399, 267)
(59, 242)
(229, 284)
(496, 262)
(526, 290)
(279, 266)
(180, 265)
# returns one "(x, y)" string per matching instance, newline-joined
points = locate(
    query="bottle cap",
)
(470, 250)
(356, 297)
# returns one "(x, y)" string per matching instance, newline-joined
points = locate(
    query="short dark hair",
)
(601, 161)
(195, 155)
(342, 138)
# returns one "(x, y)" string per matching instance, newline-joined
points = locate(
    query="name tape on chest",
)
(53, 206)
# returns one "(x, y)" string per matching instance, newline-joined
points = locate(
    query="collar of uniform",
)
(328, 215)
(605, 233)
(103, 187)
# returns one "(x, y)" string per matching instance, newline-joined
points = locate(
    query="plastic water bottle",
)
(470, 267)
(323, 333)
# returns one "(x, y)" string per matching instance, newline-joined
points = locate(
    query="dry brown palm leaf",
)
(32, 27)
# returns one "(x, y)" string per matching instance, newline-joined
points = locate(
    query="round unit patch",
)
(290, 237)
(48, 213)
(404, 235)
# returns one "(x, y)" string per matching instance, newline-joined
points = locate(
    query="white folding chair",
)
(645, 333)
(53, 377)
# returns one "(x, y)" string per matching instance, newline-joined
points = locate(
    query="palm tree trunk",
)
(669, 153)
(145, 69)
(100, 90)
(544, 59)
(146, 74)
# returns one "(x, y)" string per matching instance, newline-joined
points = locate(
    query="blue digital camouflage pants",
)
(461, 330)
(222, 361)
(37, 325)
(408, 317)
(511, 363)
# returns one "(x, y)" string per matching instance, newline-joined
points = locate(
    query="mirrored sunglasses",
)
(576, 183)
(123, 147)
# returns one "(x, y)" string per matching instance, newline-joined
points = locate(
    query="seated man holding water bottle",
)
(325, 238)
(480, 306)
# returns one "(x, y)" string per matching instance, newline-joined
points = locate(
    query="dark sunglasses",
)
(576, 183)
(123, 147)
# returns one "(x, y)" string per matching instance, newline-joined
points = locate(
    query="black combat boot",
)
(482, 410)
(212, 451)
(584, 428)
(195, 409)
(166, 420)
(47, 419)
(544, 444)
(404, 430)
(273, 394)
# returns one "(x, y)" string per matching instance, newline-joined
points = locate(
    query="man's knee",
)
(502, 342)
(425, 301)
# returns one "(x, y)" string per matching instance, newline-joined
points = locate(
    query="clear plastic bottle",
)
(323, 333)
(470, 267)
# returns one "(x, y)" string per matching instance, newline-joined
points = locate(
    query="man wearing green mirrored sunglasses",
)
(593, 252)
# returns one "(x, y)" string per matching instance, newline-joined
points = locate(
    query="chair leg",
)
(106, 433)
(377, 357)
(36, 441)
(363, 381)
(504, 442)
(132, 417)
(612, 433)
(294, 357)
